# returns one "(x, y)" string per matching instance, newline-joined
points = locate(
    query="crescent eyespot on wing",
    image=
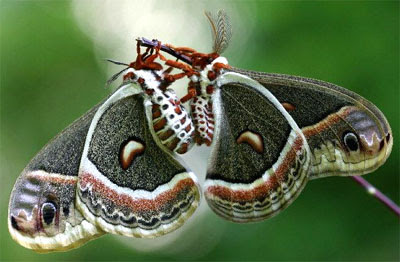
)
(347, 134)
(260, 158)
(128, 184)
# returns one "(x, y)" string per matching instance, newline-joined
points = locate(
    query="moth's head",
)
(42, 214)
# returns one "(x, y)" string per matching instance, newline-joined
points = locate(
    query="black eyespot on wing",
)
(49, 210)
(351, 141)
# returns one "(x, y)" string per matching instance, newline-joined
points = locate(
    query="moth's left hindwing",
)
(128, 184)
(260, 157)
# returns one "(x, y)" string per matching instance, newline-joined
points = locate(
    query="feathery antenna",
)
(221, 30)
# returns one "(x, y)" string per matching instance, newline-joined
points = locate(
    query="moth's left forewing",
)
(260, 157)
(129, 184)
(42, 214)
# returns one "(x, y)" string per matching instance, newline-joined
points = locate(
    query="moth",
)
(116, 169)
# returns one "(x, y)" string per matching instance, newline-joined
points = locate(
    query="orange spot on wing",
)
(289, 107)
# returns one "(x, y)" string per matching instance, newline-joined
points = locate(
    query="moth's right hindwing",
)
(347, 134)
(128, 184)
(260, 158)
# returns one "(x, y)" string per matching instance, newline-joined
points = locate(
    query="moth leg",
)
(179, 65)
(182, 50)
(173, 78)
(143, 62)
(168, 70)
(191, 93)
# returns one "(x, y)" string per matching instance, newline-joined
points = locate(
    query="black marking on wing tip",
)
(381, 144)
(14, 223)
(65, 211)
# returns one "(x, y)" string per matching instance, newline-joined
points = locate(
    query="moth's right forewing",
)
(326, 113)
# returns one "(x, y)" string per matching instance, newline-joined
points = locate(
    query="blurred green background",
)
(51, 74)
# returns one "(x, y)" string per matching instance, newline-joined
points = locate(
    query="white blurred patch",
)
(113, 26)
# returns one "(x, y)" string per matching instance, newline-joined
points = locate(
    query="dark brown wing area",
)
(62, 154)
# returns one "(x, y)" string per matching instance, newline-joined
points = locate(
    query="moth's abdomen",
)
(203, 119)
(171, 123)
(202, 87)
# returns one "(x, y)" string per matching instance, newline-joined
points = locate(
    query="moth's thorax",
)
(207, 79)
(172, 125)
(204, 86)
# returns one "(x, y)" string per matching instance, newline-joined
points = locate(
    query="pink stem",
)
(378, 194)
